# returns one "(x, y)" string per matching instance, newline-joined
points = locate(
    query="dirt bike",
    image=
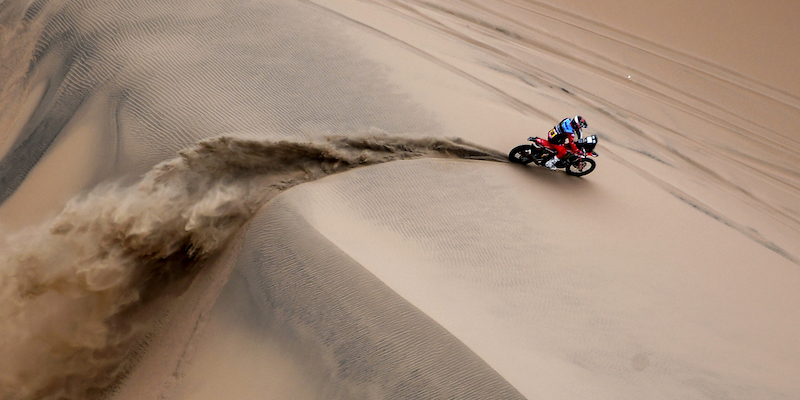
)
(574, 164)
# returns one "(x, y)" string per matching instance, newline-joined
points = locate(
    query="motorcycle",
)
(574, 164)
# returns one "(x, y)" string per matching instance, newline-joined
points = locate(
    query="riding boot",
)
(551, 163)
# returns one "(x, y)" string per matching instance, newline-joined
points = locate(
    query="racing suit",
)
(561, 133)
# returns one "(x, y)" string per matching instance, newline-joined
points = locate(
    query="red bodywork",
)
(561, 150)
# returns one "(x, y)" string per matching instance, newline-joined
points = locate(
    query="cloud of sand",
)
(69, 288)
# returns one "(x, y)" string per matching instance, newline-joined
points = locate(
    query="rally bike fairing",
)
(574, 164)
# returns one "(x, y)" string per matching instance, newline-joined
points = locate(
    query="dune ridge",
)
(70, 288)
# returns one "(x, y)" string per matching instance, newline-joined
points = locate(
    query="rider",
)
(568, 130)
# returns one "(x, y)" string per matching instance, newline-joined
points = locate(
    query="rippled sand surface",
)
(310, 200)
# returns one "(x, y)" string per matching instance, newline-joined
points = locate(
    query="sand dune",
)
(114, 249)
(261, 200)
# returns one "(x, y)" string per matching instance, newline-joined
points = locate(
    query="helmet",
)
(578, 121)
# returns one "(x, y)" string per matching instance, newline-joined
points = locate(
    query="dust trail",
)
(69, 289)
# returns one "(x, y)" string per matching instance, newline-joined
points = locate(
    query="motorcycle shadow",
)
(557, 180)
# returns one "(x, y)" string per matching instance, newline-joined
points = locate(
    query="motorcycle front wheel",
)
(522, 154)
(580, 166)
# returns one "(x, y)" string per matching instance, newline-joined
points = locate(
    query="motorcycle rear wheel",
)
(581, 166)
(522, 154)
